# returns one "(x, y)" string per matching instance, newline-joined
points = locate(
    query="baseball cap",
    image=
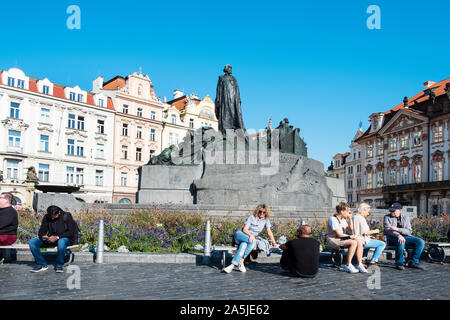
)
(395, 206)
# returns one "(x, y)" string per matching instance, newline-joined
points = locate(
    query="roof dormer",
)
(100, 100)
(75, 94)
(376, 120)
(45, 86)
(15, 77)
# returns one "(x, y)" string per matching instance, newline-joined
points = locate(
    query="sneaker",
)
(229, 268)
(415, 265)
(241, 268)
(350, 269)
(399, 267)
(59, 269)
(39, 269)
(361, 268)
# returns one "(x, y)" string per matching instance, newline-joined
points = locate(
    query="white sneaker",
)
(361, 268)
(241, 268)
(350, 269)
(229, 268)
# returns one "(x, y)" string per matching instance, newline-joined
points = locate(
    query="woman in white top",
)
(362, 230)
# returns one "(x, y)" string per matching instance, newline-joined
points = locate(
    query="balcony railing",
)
(422, 186)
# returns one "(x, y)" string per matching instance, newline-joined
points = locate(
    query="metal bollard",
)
(207, 248)
(100, 242)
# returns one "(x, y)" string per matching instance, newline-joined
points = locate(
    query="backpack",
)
(77, 236)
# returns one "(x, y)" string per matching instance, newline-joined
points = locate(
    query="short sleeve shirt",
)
(336, 224)
(256, 225)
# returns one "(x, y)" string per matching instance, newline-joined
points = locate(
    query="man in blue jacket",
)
(398, 230)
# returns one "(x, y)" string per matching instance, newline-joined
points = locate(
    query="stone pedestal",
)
(29, 194)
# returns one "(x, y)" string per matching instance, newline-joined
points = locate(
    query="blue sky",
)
(315, 63)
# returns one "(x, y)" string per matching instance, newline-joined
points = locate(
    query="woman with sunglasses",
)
(247, 237)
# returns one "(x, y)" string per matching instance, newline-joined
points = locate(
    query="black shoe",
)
(399, 267)
(59, 269)
(415, 266)
(39, 269)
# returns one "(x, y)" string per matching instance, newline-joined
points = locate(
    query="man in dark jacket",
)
(54, 231)
(8, 223)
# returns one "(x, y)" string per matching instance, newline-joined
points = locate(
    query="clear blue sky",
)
(314, 62)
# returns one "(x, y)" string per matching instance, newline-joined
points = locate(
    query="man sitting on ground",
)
(54, 231)
(301, 256)
(8, 223)
(398, 230)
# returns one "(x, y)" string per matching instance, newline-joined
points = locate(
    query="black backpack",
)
(77, 236)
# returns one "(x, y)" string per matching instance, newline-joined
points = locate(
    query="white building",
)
(65, 133)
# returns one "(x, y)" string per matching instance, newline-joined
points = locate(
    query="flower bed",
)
(157, 230)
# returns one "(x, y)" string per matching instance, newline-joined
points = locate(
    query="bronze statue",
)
(31, 175)
(164, 158)
(228, 102)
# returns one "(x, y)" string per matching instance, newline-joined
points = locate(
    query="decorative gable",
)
(403, 120)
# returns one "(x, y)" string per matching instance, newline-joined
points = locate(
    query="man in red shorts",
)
(8, 222)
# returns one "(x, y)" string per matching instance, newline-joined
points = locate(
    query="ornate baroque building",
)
(64, 132)
(406, 152)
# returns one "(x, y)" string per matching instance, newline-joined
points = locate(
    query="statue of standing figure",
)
(228, 102)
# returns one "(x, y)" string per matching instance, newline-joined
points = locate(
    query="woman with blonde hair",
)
(362, 230)
(246, 238)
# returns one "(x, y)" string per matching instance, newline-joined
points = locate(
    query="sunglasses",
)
(261, 211)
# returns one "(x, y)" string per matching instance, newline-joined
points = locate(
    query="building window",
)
(45, 89)
(437, 134)
(80, 97)
(71, 147)
(437, 171)
(358, 183)
(138, 154)
(191, 123)
(139, 132)
(153, 115)
(369, 151)
(100, 150)
(417, 173)
(125, 201)
(44, 143)
(80, 148)
(392, 177)
(380, 149)
(369, 180)
(14, 110)
(69, 174)
(404, 142)
(174, 119)
(12, 169)
(137, 179)
(170, 138)
(71, 121)
(123, 179)
(392, 145)
(44, 171)
(358, 168)
(124, 129)
(404, 172)
(101, 102)
(99, 178)
(177, 138)
(125, 108)
(350, 198)
(45, 115)
(80, 123)
(100, 126)
(358, 197)
(417, 138)
(139, 112)
(80, 176)
(20, 84)
(350, 170)
(350, 184)
(152, 134)
(10, 82)
(380, 179)
(124, 152)
(14, 138)
(72, 96)
(359, 154)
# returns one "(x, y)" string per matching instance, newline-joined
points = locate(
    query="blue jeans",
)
(245, 247)
(417, 243)
(379, 247)
(36, 244)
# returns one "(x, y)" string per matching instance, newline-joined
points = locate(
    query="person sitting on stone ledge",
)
(362, 230)
(337, 225)
(55, 231)
(8, 223)
(247, 237)
(301, 256)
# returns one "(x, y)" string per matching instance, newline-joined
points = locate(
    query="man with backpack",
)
(57, 229)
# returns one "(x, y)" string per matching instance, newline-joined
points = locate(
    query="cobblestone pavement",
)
(189, 281)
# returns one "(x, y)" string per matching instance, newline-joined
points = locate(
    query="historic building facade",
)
(65, 133)
(406, 150)
(138, 129)
(353, 172)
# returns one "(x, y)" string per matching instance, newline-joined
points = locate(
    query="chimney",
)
(177, 93)
(428, 84)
